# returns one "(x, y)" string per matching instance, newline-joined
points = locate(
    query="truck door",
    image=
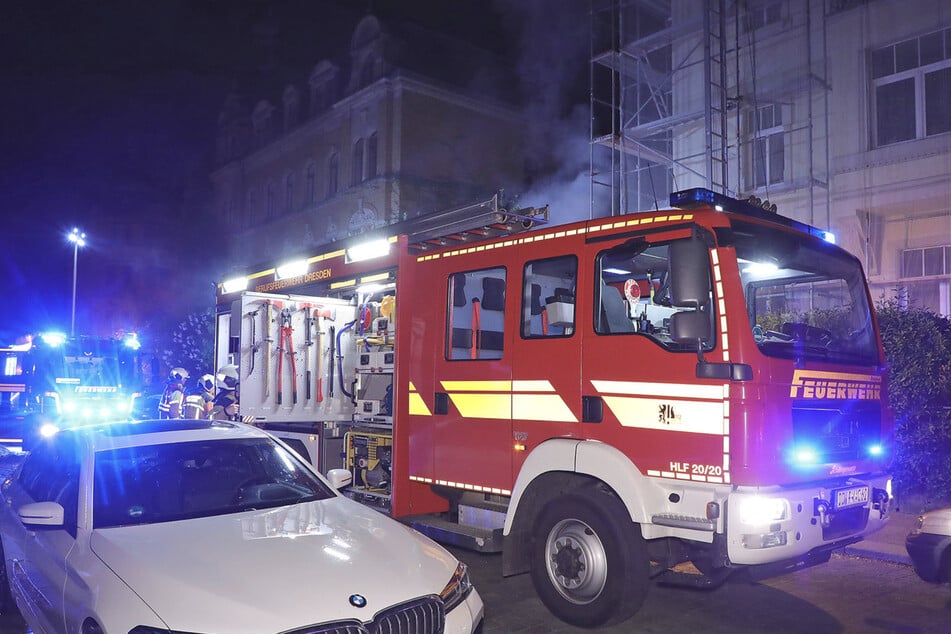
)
(472, 415)
(546, 385)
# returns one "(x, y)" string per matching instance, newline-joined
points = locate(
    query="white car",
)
(210, 527)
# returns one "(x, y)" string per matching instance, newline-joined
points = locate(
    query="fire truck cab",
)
(605, 402)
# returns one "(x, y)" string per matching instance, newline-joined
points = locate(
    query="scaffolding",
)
(724, 94)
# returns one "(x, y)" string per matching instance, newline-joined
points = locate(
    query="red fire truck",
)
(680, 395)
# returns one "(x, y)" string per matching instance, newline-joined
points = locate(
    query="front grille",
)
(839, 430)
(421, 616)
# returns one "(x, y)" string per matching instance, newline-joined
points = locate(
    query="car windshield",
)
(805, 299)
(174, 481)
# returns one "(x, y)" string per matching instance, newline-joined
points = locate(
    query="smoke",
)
(553, 66)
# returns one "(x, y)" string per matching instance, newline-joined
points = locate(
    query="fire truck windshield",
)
(805, 299)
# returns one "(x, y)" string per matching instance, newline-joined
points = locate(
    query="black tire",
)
(589, 560)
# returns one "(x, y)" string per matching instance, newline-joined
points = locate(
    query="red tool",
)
(287, 337)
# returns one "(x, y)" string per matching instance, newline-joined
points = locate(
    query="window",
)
(769, 140)
(289, 193)
(250, 211)
(356, 173)
(760, 14)
(475, 324)
(310, 184)
(633, 294)
(271, 200)
(911, 81)
(333, 169)
(548, 297)
(926, 262)
(371, 170)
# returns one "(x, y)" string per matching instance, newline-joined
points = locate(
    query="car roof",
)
(151, 432)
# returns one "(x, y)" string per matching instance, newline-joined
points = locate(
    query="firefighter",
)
(199, 402)
(225, 406)
(174, 395)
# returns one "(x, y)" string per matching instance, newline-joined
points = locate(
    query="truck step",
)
(468, 537)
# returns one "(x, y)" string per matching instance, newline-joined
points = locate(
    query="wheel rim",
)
(576, 561)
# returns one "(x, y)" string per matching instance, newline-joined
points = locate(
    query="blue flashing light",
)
(828, 236)
(805, 456)
(876, 450)
(131, 341)
(53, 339)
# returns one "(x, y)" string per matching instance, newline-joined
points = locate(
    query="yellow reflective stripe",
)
(532, 386)
(476, 386)
(497, 406)
(675, 390)
(412, 388)
(417, 406)
(547, 407)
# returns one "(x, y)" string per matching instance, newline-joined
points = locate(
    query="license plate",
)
(852, 496)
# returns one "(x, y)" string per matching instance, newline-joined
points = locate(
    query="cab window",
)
(632, 292)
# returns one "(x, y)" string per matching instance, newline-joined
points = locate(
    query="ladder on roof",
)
(479, 221)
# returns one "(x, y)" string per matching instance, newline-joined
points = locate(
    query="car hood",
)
(275, 569)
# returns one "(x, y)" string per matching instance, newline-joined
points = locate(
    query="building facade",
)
(836, 111)
(403, 128)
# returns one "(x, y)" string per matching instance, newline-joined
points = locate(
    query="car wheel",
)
(589, 560)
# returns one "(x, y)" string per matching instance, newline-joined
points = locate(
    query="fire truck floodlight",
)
(758, 510)
(131, 341)
(291, 269)
(368, 250)
(234, 285)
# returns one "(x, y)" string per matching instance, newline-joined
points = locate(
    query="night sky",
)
(108, 113)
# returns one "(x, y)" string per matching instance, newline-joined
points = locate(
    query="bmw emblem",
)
(358, 601)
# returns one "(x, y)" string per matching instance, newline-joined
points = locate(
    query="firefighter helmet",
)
(207, 382)
(228, 377)
(178, 375)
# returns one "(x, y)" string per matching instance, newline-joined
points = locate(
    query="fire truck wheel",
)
(589, 561)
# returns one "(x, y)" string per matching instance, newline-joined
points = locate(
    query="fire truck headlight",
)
(48, 429)
(757, 511)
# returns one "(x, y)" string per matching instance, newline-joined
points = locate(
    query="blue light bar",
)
(702, 197)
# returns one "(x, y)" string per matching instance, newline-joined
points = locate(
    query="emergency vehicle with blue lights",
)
(683, 395)
(51, 380)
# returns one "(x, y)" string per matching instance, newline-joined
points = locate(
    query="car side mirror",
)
(42, 514)
(339, 478)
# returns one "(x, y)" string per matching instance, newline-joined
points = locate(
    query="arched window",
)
(356, 173)
(371, 156)
(333, 169)
(310, 184)
(289, 193)
(271, 200)
(251, 210)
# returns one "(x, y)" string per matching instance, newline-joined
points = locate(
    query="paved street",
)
(849, 594)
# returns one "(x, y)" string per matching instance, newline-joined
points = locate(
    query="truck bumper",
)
(785, 525)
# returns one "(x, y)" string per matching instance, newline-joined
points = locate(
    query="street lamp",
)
(78, 238)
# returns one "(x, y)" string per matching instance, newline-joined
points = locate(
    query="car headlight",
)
(457, 589)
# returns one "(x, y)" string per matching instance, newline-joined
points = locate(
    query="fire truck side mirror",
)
(690, 326)
(689, 273)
